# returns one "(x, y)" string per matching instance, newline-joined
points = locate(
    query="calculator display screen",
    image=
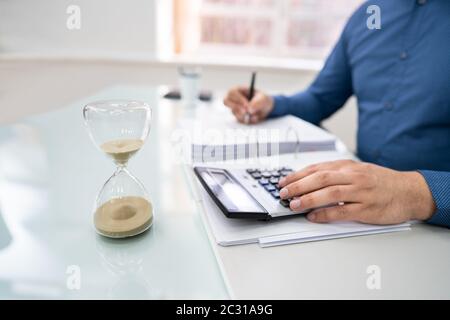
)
(230, 192)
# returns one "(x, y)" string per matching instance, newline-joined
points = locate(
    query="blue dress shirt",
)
(400, 75)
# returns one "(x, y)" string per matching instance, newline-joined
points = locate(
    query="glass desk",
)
(50, 173)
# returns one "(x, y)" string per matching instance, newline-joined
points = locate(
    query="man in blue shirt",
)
(400, 75)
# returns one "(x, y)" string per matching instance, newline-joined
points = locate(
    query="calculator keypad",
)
(269, 180)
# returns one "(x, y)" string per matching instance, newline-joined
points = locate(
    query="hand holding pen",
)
(249, 105)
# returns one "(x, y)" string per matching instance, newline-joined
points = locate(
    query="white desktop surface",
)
(50, 173)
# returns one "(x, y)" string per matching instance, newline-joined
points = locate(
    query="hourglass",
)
(119, 129)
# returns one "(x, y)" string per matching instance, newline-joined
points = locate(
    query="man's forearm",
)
(419, 199)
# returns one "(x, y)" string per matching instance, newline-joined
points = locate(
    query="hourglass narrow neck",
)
(121, 167)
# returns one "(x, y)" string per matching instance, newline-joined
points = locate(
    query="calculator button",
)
(275, 194)
(266, 174)
(274, 180)
(285, 203)
(263, 181)
(275, 174)
(269, 187)
(251, 170)
(256, 175)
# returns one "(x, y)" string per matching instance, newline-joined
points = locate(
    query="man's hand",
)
(369, 193)
(258, 108)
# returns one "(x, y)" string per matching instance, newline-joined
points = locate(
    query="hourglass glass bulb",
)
(119, 128)
(123, 208)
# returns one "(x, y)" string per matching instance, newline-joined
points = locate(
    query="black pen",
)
(251, 93)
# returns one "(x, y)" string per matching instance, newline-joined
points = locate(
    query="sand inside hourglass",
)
(124, 216)
(121, 150)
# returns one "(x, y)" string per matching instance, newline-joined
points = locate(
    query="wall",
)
(107, 27)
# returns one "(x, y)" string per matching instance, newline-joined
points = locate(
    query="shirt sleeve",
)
(439, 184)
(328, 92)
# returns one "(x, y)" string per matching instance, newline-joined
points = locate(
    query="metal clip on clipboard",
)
(297, 140)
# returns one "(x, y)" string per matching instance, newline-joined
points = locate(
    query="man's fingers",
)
(330, 165)
(237, 101)
(237, 110)
(258, 116)
(239, 114)
(235, 107)
(346, 212)
(238, 97)
(315, 181)
(244, 90)
(325, 197)
(258, 103)
(297, 175)
(255, 119)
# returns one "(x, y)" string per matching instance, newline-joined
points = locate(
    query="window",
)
(265, 28)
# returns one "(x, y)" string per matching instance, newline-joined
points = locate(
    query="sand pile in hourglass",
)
(124, 216)
(123, 208)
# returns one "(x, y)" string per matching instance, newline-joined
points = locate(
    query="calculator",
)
(246, 193)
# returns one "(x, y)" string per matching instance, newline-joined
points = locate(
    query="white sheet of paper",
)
(229, 232)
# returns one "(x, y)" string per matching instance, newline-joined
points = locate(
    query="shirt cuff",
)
(439, 184)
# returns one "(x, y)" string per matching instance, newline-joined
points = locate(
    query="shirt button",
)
(403, 55)
(421, 2)
(388, 105)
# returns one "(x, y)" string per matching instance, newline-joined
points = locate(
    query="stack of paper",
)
(228, 232)
(221, 137)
